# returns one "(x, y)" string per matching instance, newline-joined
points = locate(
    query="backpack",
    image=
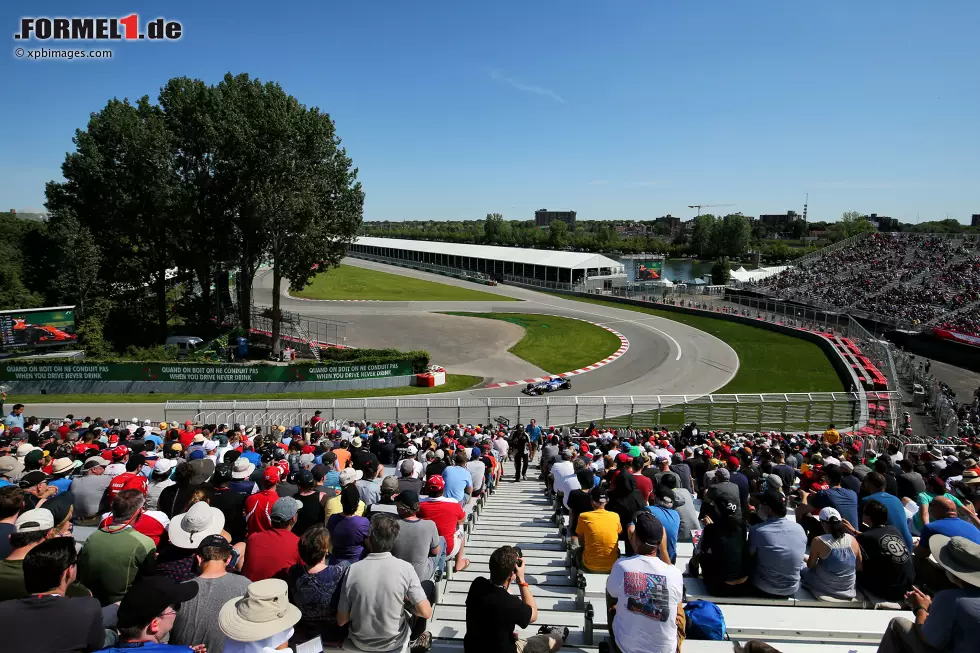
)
(705, 621)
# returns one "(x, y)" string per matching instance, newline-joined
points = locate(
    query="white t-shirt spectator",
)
(477, 470)
(501, 447)
(648, 593)
(564, 473)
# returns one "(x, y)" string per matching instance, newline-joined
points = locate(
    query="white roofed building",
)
(536, 266)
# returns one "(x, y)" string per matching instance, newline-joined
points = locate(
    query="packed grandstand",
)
(382, 536)
(914, 280)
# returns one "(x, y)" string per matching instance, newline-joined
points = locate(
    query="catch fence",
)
(789, 412)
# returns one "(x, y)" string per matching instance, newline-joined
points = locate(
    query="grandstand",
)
(909, 280)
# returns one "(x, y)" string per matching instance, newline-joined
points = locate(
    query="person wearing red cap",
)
(258, 507)
(120, 456)
(449, 518)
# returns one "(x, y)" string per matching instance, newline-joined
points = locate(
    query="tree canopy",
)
(210, 178)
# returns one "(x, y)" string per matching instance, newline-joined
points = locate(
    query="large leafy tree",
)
(119, 183)
(703, 235)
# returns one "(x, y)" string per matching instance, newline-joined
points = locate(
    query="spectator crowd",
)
(213, 537)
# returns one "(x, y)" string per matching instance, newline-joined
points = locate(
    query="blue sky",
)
(617, 109)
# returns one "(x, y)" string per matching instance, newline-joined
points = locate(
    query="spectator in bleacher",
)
(722, 491)
(418, 541)
(374, 597)
(644, 482)
(873, 489)
(684, 505)
(644, 593)
(935, 487)
(260, 621)
(723, 554)
(478, 471)
(580, 500)
(348, 530)
(595, 540)
(561, 471)
(662, 507)
(683, 471)
(782, 470)
(945, 521)
(949, 621)
(883, 466)
(367, 488)
(834, 559)
(493, 613)
(458, 480)
(333, 505)
(117, 553)
(887, 570)
(314, 586)
(195, 623)
(910, 481)
(271, 552)
(844, 501)
(449, 518)
(258, 506)
(389, 488)
(147, 613)
(848, 479)
(777, 546)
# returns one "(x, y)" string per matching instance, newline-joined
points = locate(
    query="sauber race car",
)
(552, 384)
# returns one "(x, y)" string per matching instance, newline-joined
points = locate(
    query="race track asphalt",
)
(664, 357)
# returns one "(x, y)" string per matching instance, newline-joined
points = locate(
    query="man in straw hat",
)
(950, 621)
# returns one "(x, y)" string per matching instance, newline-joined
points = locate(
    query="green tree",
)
(721, 272)
(703, 234)
(851, 223)
(492, 227)
(78, 257)
(736, 232)
(558, 235)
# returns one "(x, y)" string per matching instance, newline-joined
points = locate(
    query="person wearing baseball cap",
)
(147, 614)
(449, 518)
(272, 551)
(832, 565)
(778, 546)
(597, 531)
(418, 541)
(258, 506)
(633, 630)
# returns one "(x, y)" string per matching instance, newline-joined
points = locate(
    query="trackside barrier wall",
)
(798, 412)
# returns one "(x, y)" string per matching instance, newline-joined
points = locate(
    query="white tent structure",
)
(745, 276)
(531, 264)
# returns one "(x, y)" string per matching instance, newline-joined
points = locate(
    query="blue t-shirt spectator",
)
(953, 623)
(155, 439)
(896, 514)
(671, 520)
(778, 547)
(534, 432)
(61, 483)
(844, 500)
(12, 420)
(457, 480)
(950, 527)
(332, 479)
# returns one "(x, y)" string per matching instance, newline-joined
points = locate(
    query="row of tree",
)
(208, 179)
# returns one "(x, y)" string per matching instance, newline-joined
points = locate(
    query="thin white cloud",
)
(496, 75)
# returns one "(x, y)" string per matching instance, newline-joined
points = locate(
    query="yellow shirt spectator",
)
(599, 531)
(831, 437)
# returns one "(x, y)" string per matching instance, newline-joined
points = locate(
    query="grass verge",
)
(454, 383)
(768, 361)
(556, 344)
(352, 282)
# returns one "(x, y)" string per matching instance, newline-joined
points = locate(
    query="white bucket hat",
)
(263, 612)
(188, 530)
(242, 469)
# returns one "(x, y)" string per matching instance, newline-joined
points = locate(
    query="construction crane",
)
(706, 206)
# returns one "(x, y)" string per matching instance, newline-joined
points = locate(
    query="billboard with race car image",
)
(645, 269)
(38, 327)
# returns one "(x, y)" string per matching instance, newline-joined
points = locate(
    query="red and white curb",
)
(624, 346)
(307, 299)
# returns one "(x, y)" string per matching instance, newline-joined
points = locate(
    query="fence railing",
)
(791, 412)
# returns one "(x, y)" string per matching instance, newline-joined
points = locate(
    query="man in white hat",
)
(950, 620)
(262, 620)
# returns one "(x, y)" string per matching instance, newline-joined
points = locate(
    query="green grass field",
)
(768, 361)
(352, 282)
(454, 382)
(556, 344)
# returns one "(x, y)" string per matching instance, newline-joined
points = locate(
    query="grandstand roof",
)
(568, 260)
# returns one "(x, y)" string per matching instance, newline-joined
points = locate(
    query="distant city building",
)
(544, 218)
(975, 220)
(779, 223)
(670, 222)
(882, 222)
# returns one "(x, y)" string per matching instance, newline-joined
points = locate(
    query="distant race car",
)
(552, 384)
